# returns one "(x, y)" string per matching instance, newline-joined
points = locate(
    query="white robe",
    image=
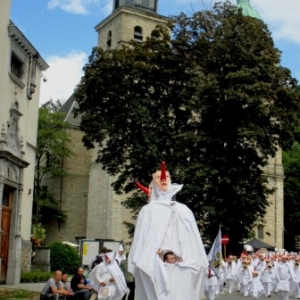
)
(103, 273)
(119, 257)
(285, 275)
(170, 226)
(257, 288)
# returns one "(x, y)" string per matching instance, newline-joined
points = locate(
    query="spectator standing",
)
(129, 278)
(97, 259)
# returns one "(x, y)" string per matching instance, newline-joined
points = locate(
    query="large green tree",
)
(291, 161)
(211, 99)
(51, 149)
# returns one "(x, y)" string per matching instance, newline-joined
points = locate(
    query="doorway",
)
(7, 202)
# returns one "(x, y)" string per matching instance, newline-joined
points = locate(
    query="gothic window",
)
(16, 65)
(109, 39)
(260, 231)
(138, 33)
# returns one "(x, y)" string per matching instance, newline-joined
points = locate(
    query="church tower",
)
(270, 229)
(86, 195)
(130, 20)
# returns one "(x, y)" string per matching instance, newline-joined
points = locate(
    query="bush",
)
(35, 276)
(64, 258)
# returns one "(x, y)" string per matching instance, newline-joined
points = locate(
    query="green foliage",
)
(51, 150)
(38, 234)
(291, 161)
(213, 101)
(64, 257)
(35, 276)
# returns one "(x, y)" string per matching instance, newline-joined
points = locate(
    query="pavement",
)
(34, 287)
(37, 287)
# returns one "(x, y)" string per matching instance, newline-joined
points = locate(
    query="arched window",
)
(109, 39)
(138, 33)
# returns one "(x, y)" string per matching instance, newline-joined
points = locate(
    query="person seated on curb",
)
(82, 290)
(66, 287)
(53, 288)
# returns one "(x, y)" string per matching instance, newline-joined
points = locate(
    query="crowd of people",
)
(256, 275)
(167, 261)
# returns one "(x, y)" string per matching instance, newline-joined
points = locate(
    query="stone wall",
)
(122, 22)
(26, 256)
(72, 192)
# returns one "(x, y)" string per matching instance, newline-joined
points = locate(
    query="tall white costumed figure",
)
(166, 225)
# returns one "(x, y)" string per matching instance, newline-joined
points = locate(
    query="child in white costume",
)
(256, 286)
(211, 284)
(230, 273)
(295, 290)
(267, 278)
(246, 277)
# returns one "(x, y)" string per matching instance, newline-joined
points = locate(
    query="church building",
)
(21, 68)
(85, 193)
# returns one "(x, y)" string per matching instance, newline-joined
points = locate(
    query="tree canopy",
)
(51, 149)
(211, 99)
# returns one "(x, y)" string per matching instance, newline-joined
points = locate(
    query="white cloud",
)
(62, 76)
(80, 7)
(281, 16)
(107, 7)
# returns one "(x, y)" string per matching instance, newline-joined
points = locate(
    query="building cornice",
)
(14, 160)
(16, 35)
(133, 11)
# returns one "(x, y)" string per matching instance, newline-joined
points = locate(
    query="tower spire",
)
(247, 9)
(143, 4)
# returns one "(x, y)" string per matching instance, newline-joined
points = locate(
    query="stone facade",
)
(20, 73)
(273, 223)
(122, 23)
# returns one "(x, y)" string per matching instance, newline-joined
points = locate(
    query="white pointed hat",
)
(121, 248)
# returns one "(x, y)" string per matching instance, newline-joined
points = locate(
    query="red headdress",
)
(163, 175)
(143, 188)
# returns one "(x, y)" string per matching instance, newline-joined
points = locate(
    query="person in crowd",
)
(245, 275)
(230, 273)
(53, 288)
(120, 255)
(285, 275)
(97, 259)
(129, 278)
(108, 280)
(170, 226)
(257, 288)
(64, 283)
(294, 286)
(80, 286)
(266, 277)
(211, 284)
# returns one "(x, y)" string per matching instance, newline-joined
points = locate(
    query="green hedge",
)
(35, 276)
(64, 258)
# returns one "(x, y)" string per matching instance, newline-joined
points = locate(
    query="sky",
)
(63, 33)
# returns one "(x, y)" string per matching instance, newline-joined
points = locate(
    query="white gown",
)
(103, 273)
(170, 226)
